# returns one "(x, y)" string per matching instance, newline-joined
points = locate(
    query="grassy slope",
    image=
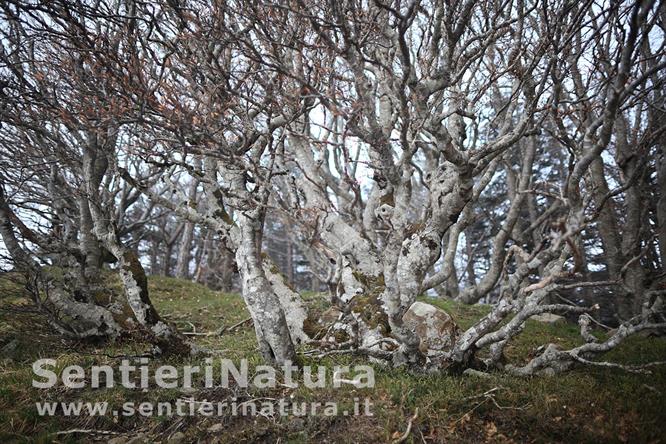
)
(589, 405)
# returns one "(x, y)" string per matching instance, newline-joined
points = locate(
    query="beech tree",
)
(59, 126)
(385, 134)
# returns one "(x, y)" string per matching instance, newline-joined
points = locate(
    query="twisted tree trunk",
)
(132, 273)
(273, 336)
(66, 314)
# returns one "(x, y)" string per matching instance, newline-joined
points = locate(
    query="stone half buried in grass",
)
(434, 327)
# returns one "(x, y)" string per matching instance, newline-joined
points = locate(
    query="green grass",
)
(585, 405)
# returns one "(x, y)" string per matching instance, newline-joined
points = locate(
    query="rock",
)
(477, 373)
(117, 440)
(548, 372)
(138, 439)
(187, 390)
(432, 325)
(548, 318)
(177, 438)
(215, 428)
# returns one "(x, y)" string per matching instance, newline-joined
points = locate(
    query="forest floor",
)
(584, 405)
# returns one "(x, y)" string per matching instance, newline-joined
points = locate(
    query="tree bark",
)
(609, 233)
(184, 252)
(273, 336)
(88, 243)
(132, 274)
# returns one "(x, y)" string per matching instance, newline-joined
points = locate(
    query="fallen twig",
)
(405, 435)
(642, 369)
(233, 327)
(94, 432)
(194, 333)
(220, 331)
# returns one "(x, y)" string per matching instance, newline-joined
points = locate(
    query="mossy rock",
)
(368, 305)
(369, 308)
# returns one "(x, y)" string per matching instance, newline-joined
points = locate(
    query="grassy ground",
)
(585, 405)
